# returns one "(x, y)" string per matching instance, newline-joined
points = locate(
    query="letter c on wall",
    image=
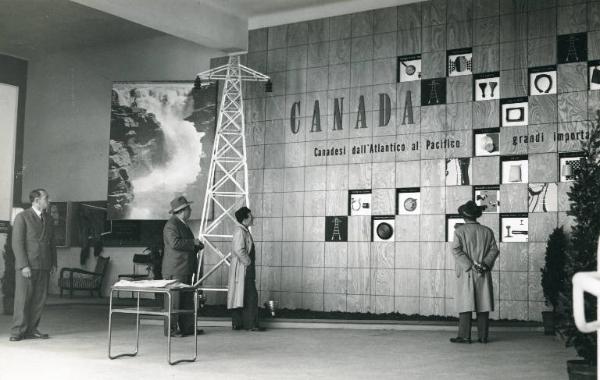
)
(294, 124)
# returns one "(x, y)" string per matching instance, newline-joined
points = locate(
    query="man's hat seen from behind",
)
(470, 210)
(179, 203)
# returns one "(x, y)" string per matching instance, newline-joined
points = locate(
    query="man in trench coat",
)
(475, 251)
(242, 295)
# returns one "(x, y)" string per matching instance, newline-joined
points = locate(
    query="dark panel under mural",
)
(161, 138)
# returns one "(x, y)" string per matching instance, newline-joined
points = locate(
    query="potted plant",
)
(581, 255)
(553, 275)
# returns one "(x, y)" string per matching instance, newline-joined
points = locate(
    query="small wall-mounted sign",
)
(336, 228)
(382, 228)
(460, 62)
(571, 48)
(486, 142)
(433, 92)
(452, 221)
(514, 228)
(594, 75)
(458, 171)
(486, 86)
(487, 197)
(569, 163)
(514, 112)
(359, 202)
(409, 68)
(542, 80)
(408, 201)
(514, 169)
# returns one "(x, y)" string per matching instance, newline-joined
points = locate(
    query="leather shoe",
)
(36, 335)
(16, 338)
(198, 332)
(482, 340)
(460, 340)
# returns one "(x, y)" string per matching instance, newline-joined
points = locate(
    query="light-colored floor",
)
(78, 350)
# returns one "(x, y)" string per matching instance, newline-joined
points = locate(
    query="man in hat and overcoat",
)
(179, 261)
(475, 251)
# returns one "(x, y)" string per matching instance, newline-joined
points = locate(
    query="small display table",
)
(140, 310)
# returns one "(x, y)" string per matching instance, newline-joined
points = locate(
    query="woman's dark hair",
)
(242, 214)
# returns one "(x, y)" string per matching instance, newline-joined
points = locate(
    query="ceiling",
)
(30, 28)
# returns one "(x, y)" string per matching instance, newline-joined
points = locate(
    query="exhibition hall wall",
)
(382, 123)
(67, 123)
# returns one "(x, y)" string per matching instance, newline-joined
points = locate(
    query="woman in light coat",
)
(475, 251)
(242, 295)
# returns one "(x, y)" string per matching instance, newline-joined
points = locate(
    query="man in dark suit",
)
(179, 260)
(35, 256)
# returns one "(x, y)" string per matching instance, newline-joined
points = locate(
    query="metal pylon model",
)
(227, 185)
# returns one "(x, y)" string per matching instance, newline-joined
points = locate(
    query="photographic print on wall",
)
(382, 228)
(487, 197)
(569, 163)
(542, 80)
(486, 142)
(359, 202)
(336, 228)
(408, 201)
(458, 171)
(460, 62)
(571, 48)
(59, 212)
(486, 86)
(161, 138)
(594, 75)
(514, 228)
(409, 68)
(452, 221)
(514, 112)
(514, 169)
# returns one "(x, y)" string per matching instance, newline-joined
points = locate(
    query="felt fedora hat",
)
(179, 203)
(470, 210)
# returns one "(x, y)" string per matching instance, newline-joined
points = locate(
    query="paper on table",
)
(144, 284)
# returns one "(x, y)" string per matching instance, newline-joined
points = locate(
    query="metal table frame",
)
(152, 311)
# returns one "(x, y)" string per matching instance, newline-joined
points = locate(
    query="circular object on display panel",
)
(410, 204)
(385, 231)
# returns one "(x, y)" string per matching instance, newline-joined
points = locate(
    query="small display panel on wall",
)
(514, 169)
(336, 228)
(594, 75)
(409, 68)
(542, 80)
(486, 86)
(486, 142)
(408, 201)
(460, 62)
(452, 221)
(359, 202)
(458, 171)
(514, 112)
(382, 228)
(569, 163)
(514, 228)
(543, 197)
(487, 197)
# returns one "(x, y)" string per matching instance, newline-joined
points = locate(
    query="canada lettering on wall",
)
(408, 110)
(361, 118)
(385, 113)
(385, 109)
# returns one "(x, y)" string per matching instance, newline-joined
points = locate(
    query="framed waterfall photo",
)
(161, 139)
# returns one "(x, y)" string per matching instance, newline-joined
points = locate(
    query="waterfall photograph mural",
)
(161, 138)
